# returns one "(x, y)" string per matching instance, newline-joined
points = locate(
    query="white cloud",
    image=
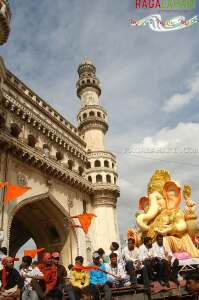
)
(137, 168)
(178, 101)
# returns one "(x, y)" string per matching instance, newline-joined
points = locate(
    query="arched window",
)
(15, 130)
(70, 164)
(59, 155)
(31, 140)
(99, 178)
(90, 179)
(108, 178)
(97, 164)
(99, 114)
(115, 179)
(80, 118)
(88, 165)
(106, 164)
(113, 165)
(91, 114)
(84, 116)
(81, 171)
(46, 150)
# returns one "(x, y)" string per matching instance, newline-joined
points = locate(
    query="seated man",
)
(146, 256)
(12, 282)
(50, 273)
(131, 256)
(98, 278)
(79, 279)
(61, 270)
(117, 269)
(165, 268)
(31, 277)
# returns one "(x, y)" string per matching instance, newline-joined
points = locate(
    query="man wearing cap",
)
(98, 278)
(61, 270)
(50, 273)
(11, 280)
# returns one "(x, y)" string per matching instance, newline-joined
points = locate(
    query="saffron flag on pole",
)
(33, 252)
(14, 191)
(85, 220)
(2, 184)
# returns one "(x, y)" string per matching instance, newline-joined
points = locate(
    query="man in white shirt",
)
(165, 267)
(134, 265)
(117, 269)
(146, 255)
(29, 274)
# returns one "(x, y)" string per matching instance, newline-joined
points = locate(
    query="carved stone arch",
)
(34, 199)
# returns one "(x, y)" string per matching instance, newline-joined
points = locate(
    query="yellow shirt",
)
(79, 279)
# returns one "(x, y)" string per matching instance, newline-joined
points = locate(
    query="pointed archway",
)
(42, 219)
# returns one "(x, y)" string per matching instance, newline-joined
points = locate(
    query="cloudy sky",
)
(150, 83)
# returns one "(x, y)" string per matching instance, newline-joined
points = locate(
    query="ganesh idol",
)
(160, 213)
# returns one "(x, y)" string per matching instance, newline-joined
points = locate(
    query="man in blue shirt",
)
(98, 278)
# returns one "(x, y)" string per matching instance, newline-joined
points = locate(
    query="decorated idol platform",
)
(167, 209)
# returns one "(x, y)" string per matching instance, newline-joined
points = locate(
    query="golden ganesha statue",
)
(160, 213)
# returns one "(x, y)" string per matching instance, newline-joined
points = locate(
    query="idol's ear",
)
(144, 203)
(172, 185)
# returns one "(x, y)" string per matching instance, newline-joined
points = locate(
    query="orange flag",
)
(2, 184)
(14, 191)
(32, 253)
(85, 221)
(86, 268)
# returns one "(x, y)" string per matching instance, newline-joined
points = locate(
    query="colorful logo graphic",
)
(156, 23)
(166, 4)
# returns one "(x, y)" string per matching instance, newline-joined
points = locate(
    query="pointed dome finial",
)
(87, 77)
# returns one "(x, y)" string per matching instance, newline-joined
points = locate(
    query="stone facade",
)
(5, 16)
(67, 167)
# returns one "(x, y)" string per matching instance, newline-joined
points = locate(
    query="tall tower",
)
(101, 167)
(5, 16)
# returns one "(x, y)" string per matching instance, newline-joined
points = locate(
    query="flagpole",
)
(4, 189)
(70, 236)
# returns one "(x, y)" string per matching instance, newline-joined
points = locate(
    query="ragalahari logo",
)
(166, 4)
(155, 21)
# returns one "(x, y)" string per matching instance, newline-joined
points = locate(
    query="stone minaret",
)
(5, 16)
(101, 167)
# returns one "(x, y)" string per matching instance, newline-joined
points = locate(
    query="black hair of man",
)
(159, 236)
(101, 251)
(27, 260)
(112, 255)
(70, 267)
(192, 276)
(79, 258)
(146, 239)
(115, 245)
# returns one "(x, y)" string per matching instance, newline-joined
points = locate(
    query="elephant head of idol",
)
(155, 202)
(152, 206)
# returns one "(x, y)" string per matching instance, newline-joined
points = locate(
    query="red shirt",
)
(50, 276)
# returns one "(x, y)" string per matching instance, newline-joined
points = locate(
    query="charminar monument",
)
(68, 168)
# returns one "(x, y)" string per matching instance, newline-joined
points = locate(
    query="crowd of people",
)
(49, 279)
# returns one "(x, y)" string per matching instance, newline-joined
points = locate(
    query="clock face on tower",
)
(90, 98)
